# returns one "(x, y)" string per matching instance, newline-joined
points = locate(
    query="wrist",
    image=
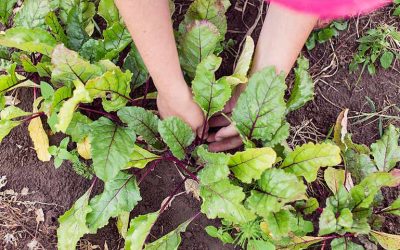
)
(173, 89)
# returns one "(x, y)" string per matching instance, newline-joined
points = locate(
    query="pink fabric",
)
(333, 8)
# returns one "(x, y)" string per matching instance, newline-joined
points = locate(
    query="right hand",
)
(182, 105)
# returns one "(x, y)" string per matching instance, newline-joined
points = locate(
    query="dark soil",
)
(336, 89)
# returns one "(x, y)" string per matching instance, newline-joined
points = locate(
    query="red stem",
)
(108, 115)
(149, 170)
(180, 165)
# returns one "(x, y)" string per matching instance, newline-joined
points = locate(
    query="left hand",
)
(227, 137)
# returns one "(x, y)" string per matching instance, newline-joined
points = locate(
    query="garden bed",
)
(55, 190)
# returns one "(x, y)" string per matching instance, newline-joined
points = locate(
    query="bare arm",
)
(150, 25)
(282, 37)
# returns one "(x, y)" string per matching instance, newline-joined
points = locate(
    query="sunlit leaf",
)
(32, 14)
(387, 241)
(334, 178)
(251, 163)
(73, 223)
(276, 187)
(113, 87)
(80, 95)
(30, 40)
(123, 223)
(40, 139)
(140, 158)
(109, 12)
(306, 160)
(245, 59)
(139, 229)
(84, 147)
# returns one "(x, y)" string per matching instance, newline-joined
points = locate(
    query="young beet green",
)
(263, 194)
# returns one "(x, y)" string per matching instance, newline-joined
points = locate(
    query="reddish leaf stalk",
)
(108, 115)
(180, 165)
(149, 170)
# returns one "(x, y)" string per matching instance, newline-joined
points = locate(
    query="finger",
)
(226, 144)
(226, 132)
(211, 137)
(218, 121)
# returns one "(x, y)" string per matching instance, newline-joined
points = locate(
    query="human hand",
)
(182, 105)
(227, 137)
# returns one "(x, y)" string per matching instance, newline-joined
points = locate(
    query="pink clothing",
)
(333, 8)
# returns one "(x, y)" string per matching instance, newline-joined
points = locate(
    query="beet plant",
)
(85, 74)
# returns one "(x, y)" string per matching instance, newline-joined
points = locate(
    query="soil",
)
(55, 190)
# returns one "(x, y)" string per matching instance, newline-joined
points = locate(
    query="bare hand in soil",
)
(226, 137)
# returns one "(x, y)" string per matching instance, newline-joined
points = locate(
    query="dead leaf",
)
(84, 148)
(40, 139)
(39, 215)
(24, 191)
(340, 130)
(12, 101)
(33, 245)
(191, 186)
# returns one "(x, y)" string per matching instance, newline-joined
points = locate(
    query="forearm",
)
(150, 24)
(282, 37)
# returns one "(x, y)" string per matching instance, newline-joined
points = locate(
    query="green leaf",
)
(345, 218)
(244, 62)
(29, 40)
(303, 242)
(68, 66)
(276, 188)
(75, 29)
(170, 241)
(143, 122)
(394, 208)
(6, 126)
(214, 232)
(211, 95)
(210, 10)
(12, 112)
(73, 223)
(140, 158)
(327, 222)
(200, 40)
(93, 50)
(79, 127)
(6, 10)
(334, 178)
(306, 160)
(139, 229)
(387, 241)
(359, 165)
(113, 87)
(8, 81)
(363, 194)
(386, 150)
(278, 224)
(123, 224)
(135, 64)
(116, 39)
(121, 194)
(56, 28)
(387, 59)
(260, 109)
(177, 135)
(87, 10)
(46, 90)
(260, 245)
(220, 197)
(344, 243)
(109, 12)
(308, 206)
(32, 14)
(251, 163)
(67, 110)
(216, 166)
(112, 147)
(303, 89)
